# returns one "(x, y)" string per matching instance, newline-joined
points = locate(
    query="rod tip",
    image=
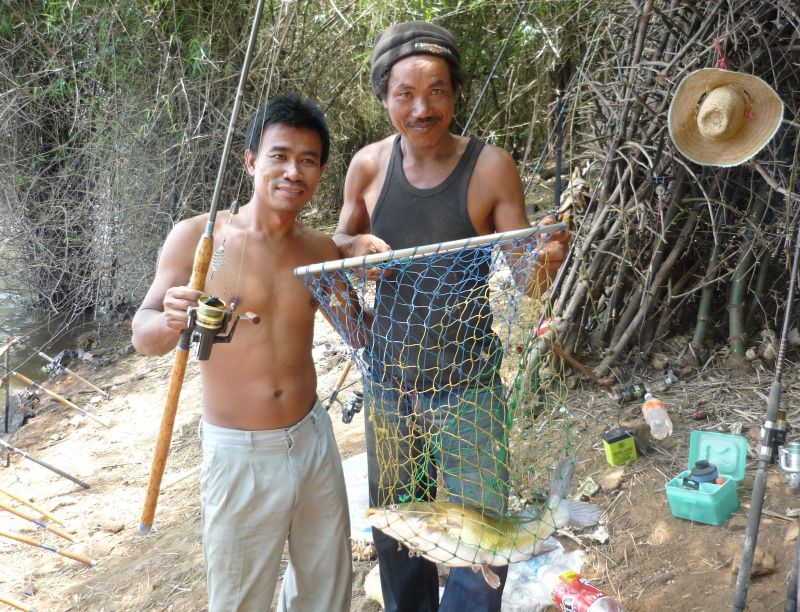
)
(144, 529)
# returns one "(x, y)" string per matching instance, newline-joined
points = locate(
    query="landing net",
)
(464, 403)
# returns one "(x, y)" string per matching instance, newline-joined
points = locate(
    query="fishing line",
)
(522, 11)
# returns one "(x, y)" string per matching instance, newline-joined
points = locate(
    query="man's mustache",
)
(293, 184)
(423, 122)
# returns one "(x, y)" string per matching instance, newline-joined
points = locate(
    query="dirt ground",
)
(651, 561)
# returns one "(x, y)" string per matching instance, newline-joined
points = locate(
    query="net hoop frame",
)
(425, 250)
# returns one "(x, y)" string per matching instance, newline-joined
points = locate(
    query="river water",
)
(38, 330)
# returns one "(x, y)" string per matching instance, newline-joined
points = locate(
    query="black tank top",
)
(433, 324)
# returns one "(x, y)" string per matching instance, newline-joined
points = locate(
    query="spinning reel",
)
(206, 323)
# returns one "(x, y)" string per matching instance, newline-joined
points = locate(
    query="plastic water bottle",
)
(572, 593)
(656, 416)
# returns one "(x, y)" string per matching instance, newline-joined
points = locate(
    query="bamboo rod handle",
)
(58, 398)
(15, 604)
(202, 259)
(64, 553)
(164, 439)
(33, 506)
(24, 515)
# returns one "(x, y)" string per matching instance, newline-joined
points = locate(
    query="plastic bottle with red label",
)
(572, 593)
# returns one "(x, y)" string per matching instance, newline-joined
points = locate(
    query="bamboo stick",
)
(59, 551)
(626, 336)
(33, 506)
(44, 464)
(58, 398)
(427, 249)
(741, 277)
(8, 345)
(15, 604)
(73, 374)
(706, 295)
(59, 532)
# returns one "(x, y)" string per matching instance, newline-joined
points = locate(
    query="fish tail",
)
(560, 486)
(577, 514)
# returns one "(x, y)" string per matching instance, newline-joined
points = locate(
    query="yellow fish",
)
(458, 535)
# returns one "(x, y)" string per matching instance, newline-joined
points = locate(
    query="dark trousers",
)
(402, 467)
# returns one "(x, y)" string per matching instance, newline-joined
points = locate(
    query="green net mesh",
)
(465, 407)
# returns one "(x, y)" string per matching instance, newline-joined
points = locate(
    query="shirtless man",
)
(424, 185)
(271, 469)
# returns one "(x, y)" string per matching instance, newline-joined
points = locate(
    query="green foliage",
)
(123, 105)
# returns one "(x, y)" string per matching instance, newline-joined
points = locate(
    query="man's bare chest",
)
(259, 280)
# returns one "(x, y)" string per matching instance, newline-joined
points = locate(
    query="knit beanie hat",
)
(411, 38)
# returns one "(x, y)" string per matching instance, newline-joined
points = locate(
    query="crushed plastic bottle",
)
(572, 593)
(656, 416)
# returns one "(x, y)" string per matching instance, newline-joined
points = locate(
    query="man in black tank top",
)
(425, 185)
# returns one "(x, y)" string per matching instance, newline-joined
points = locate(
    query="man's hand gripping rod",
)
(202, 259)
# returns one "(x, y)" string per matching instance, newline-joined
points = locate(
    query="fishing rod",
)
(338, 387)
(16, 604)
(24, 515)
(44, 464)
(562, 107)
(17, 340)
(202, 259)
(24, 379)
(6, 382)
(522, 10)
(59, 551)
(68, 371)
(772, 434)
(32, 506)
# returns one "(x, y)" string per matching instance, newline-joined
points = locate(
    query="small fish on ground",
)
(458, 535)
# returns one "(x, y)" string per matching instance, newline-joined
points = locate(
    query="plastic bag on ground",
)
(523, 592)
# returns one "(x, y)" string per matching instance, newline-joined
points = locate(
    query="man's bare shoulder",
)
(187, 229)
(494, 159)
(318, 245)
(373, 157)
(180, 244)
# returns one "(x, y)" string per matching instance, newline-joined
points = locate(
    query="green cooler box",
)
(710, 503)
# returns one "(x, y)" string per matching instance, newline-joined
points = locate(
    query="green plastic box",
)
(711, 503)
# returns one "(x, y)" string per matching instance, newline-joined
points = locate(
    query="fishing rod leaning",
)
(15, 604)
(32, 519)
(202, 260)
(44, 464)
(52, 394)
(32, 506)
(772, 434)
(59, 551)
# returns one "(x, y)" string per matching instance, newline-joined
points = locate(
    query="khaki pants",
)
(260, 488)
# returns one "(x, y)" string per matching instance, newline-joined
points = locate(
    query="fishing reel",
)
(352, 407)
(773, 436)
(790, 463)
(206, 323)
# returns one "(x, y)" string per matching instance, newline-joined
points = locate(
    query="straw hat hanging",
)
(723, 118)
